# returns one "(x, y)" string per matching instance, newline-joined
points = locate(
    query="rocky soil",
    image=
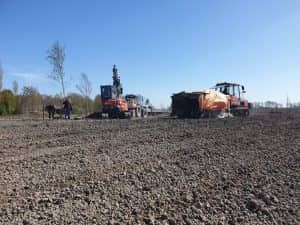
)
(152, 171)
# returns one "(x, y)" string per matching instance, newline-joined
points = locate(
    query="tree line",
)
(273, 104)
(30, 100)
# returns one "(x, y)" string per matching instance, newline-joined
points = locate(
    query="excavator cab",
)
(107, 92)
(113, 105)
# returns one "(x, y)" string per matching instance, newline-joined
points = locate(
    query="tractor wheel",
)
(144, 113)
(247, 112)
(138, 113)
(114, 114)
(132, 114)
(123, 115)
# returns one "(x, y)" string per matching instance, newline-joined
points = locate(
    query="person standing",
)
(67, 108)
(51, 111)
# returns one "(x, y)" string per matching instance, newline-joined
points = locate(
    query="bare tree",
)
(1, 77)
(15, 87)
(85, 89)
(56, 56)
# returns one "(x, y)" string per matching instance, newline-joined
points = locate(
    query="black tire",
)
(247, 113)
(132, 114)
(137, 113)
(114, 114)
(144, 113)
(122, 115)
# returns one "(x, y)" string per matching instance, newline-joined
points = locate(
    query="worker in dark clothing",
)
(67, 108)
(51, 111)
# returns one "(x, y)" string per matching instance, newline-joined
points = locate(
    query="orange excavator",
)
(114, 103)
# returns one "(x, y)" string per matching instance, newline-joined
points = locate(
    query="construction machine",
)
(137, 106)
(239, 106)
(115, 105)
(224, 99)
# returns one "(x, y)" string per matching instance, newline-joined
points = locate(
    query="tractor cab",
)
(135, 102)
(230, 89)
(235, 93)
(138, 99)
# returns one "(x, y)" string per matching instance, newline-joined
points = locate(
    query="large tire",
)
(144, 113)
(123, 115)
(114, 114)
(137, 112)
(132, 114)
(247, 113)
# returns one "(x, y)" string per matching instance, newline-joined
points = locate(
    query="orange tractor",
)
(225, 99)
(238, 105)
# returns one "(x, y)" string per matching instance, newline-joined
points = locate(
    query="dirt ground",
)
(152, 171)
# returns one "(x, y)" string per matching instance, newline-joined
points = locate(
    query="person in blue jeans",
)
(67, 108)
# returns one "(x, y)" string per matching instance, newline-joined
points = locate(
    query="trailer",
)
(224, 99)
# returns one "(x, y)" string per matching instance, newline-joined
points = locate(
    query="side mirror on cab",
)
(243, 89)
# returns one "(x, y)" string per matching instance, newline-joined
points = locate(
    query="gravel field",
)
(152, 171)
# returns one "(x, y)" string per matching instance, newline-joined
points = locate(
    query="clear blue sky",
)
(160, 46)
